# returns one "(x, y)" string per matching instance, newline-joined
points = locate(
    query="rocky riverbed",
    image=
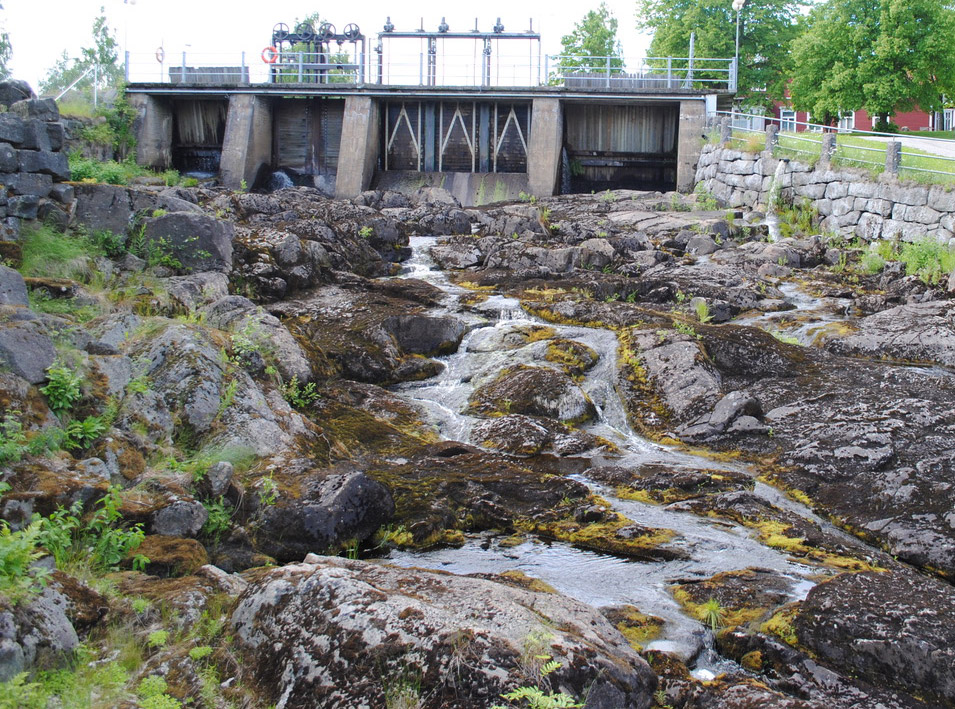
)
(390, 452)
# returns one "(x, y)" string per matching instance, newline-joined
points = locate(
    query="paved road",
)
(945, 148)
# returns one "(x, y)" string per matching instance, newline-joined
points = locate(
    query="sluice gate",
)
(621, 146)
(198, 132)
(307, 135)
(455, 136)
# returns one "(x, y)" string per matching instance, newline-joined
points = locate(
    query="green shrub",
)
(48, 253)
(63, 388)
(18, 550)
(219, 520)
(98, 543)
(81, 434)
(928, 259)
(17, 693)
(13, 441)
(300, 396)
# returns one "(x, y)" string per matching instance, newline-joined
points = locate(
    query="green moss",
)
(638, 628)
(646, 543)
(574, 358)
(780, 624)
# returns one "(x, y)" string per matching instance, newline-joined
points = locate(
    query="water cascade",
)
(597, 579)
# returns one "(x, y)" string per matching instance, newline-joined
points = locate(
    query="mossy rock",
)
(664, 484)
(533, 391)
(742, 596)
(638, 628)
(453, 486)
(614, 534)
(170, 556)
(573, 357)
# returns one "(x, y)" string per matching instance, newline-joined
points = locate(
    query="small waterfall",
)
(774, 199)
(278, 180)
(564, 172)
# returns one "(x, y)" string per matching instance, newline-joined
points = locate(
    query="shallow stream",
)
(598, 579)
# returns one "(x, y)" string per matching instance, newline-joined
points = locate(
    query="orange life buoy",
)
(160, 55)
(270, 55)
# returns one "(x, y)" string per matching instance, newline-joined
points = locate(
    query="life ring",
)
(160, 55)
(270, 55)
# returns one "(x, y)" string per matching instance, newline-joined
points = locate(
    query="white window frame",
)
(787, 120)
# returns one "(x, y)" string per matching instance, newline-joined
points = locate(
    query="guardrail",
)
(572, 72)
(932, 161)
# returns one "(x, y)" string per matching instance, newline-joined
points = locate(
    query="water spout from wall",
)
(774, 199)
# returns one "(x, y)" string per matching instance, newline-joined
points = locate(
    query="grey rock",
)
(27, 350)
(182, 518)
(26, 183)
(13, 90)
(57, 136)
(330, 511)
(48, 163)
(36, 632)
(13, 291)
(426, 335)
(36, 137)
(701, 245)
(43, 109)
(240, 315)
(11, 129)
(431, 617)
(63, 193)
(890, 628)
(198, 241)
(24, 206)
(104, 207)
(218, 477)
(197, 289)
(9, 161)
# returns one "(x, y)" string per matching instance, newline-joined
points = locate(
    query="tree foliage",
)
(879, 55)
(104, 54)
(593, 40)
(767, 28)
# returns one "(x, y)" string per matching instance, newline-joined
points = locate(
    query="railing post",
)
(184, 80)
(828, 149)
(772, 137)
(893, 157)
(300, 54)
(242, 74)
(734, 74)
(126, 66)
(669, 72)
(546, 70)
(608, 72)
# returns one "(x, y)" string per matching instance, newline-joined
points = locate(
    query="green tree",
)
(879, 55)
(104, 55)
(593, 40)
(6, 53)
(766, 30)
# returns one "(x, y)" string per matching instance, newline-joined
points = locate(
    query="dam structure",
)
(483, 114)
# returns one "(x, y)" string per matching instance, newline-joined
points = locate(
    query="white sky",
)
(41, 29)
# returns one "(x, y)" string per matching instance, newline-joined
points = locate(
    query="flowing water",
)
(711, 546)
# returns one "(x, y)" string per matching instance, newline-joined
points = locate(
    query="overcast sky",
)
(41, 29)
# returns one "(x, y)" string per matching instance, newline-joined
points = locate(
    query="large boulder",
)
(920, 332)
(13, 290)
(426, 335)
(534, 391)
(257, 331)
(887, 628)
(26, 349)
(35, 632)
(13, 90)
(197, 241)
(329, 512)
(340, 633)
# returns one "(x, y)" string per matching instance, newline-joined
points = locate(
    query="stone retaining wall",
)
(851, 202)
(32, 162)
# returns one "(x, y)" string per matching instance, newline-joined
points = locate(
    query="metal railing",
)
(932, 161)
(571, 72)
